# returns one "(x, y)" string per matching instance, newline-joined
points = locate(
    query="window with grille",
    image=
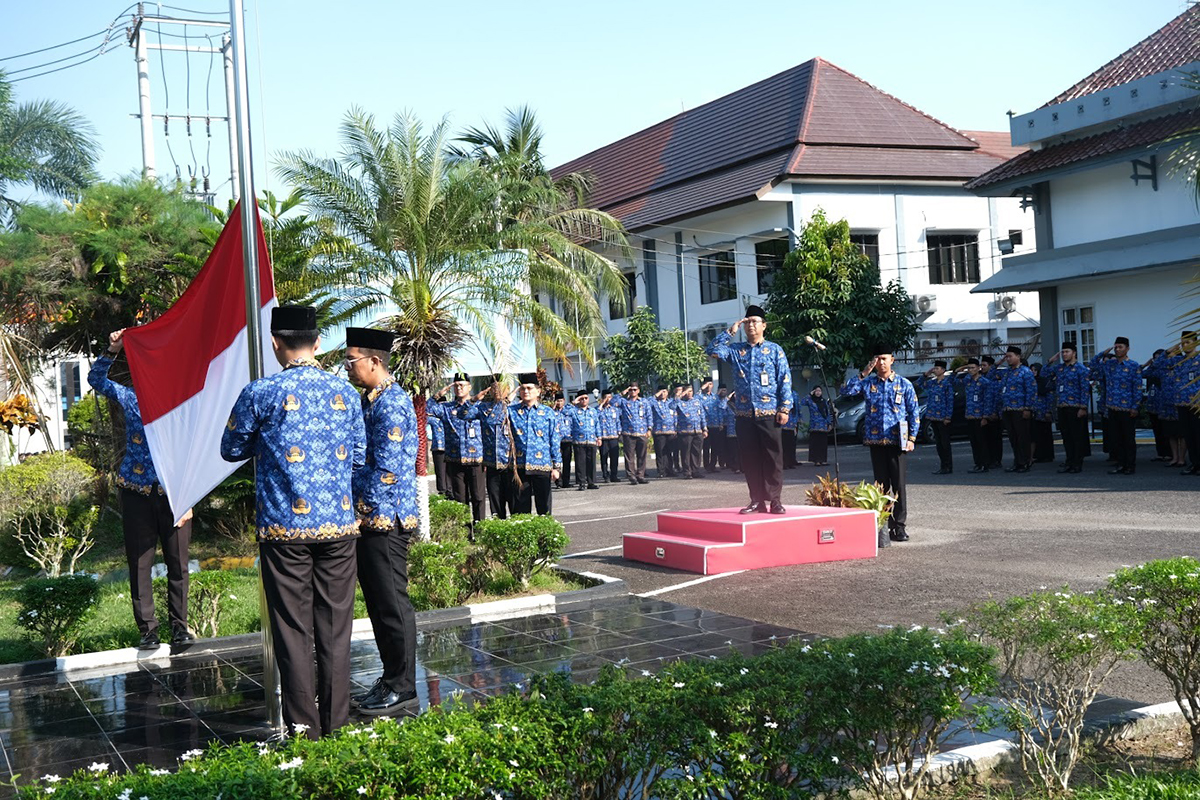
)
(718, 277)
(868, 243)
(953, 258)
(768, 257)
(1079, 326)
(630, 299)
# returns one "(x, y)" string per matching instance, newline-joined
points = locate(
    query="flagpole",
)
(244, 190)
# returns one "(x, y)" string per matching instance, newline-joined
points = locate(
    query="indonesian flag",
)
(190, 364)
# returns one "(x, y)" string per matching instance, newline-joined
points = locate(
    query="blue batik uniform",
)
(663, 412)
(730, 418)
(1181, 378)
(435, 431)
(793, 422)
(939, 398)
(761, 376)
(691, 416)
(493, 422)
(890, 417)
(610, 422)
(1122, 382)
(977, 392)
(136, 472)
(1160, 390)
(385, 490)
(714, 414)
(564, 424)
(1018, 389)
(635, 415)
(991, 395)
(583, 425)
(1072, 384)
(537, 446)
(1044, 404)
(464, 439)
(818, 421)
(304, 429)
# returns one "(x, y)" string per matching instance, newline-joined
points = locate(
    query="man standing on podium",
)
(762, 405)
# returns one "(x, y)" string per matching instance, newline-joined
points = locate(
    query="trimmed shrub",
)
(523, 544)
(48, 512)
(448, 519)
(434, 573)
(208, 595)
(54, 610)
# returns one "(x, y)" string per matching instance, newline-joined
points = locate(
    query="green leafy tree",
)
(827, 288)
(43, 144)
(648, 354)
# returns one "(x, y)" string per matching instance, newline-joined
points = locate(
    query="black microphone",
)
(814, 342)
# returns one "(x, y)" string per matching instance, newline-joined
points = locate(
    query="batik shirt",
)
(493, 422)
(793, 421)
(690, 416)
(1122, 382)
(610, 422)
(464, 439)
(991, 394)
(663, 413)
(730, 418)
(976, 392)
(564, 424)
(635, 415)
(714, 414)
(761, 377)
(1044, 403)
(435, 431)
(939, 398)
(891, 408)
(385, 490)
(1072, 384)
(136, 472)
(304, 429)
(1159, 400)
(1018, 389)
(818, 420)
(584, 424)
(537, 446)
(1183, 375)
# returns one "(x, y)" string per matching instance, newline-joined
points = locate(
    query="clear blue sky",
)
(593, 71)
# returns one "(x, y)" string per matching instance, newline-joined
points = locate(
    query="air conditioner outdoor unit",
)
(927, 346)
(925, 303)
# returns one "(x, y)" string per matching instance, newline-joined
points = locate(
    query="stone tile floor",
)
(154, 711)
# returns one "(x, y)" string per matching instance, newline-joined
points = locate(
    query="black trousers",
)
(609, 450)
(1124, 437)
(499, 490)
(635, 456)
(564, 477)
(439, 473)
(1162, 441)
(993, 434)
(733, 453)
(889, 467)
(1019, 437)
(941, 440)
(310, 603)
(466, 486)
(1043, 440)
(979, 447)
(714, 450)
(760, 446)
(691, 453)
(789, 447)
(383, 574)
(818, 446)
(147, 520)
(1074, 435)
(534, 492)
(585, 464)
(664, 446)
(1189, 426)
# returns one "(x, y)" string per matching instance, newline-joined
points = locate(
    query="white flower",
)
(588, 709)
(449, 738)
(512, 762)
(743, 671)
(678, 684)
(718, 684)
(1086, 636)
(770, 724)
(498, 725)
(373, 735)
(835, 759)
(362, 790)
(51, 778)
(741, 756)
(125, 794)
(50, 790)
(190, 754)
(299, 727)
(233, 597)
(805, 649)
(646, 673)
(99, 766)
(712, 733)
(293, 764)
(516, 729)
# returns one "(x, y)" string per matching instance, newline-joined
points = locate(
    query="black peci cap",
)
(293, 319)
(583, 393)
(940, 363)
(461, 376)
(973, 362)
(755, 311)
(1121, 340)
(881, 349)
(606, 390)
(662, 387)
(527, 377)
(1068, 346)
(1012, 348)
(987, 360)
(370, 339)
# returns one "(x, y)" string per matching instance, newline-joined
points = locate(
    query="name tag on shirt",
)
(763, 379)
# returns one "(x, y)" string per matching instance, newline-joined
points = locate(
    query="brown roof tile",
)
(997, 143)
(1110, 142)
(1172, 46)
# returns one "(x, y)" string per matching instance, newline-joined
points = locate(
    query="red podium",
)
(714, 540)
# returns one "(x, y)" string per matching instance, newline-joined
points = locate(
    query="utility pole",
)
(227, 58)
(143, 77)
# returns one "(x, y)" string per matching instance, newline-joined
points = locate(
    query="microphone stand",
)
(837, 475)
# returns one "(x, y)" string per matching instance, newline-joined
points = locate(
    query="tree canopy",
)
(650, 355)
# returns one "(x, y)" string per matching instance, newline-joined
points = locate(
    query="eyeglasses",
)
(349, 362)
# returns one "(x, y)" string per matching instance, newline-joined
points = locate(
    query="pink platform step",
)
(713, 540)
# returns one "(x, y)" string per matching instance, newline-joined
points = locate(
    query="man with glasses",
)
(536, 447)
(763, 403)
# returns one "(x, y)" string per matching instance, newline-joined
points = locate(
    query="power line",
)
(193, 11)
(60, 69)
(55, 46)
(58, 60)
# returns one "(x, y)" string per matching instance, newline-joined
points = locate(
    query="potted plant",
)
(832, 493)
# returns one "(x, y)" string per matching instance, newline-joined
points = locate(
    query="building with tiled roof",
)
(712, 196)
(1117, 229)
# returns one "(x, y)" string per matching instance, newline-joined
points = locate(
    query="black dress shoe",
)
(181, 635)
(633, 482)
(580, 488)
(642, 481)
(1013, 468)
(149, 641)
(977, 470)
(943, 471)
(1022, 468)
(1075, 470)
(898, 536)
(1191, 471)
(753, 508)
(593, 486)
(777, 508)
(358, 698)
(1117, 471)
(389, 703)
(1064, 468)
(1127, 471)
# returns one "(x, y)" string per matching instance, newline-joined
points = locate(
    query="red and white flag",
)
(189, 365)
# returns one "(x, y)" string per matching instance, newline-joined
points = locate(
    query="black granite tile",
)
(535, 652)
(551, 627)
(603, 641)
(49, 752)
(30, 708)
(51, 731)
(181, 735)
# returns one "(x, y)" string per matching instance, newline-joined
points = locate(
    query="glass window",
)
(1068, 316)
(630, 299)
(1083, 332)
(953, 258)
(718, 277)
(868, 243)
(768, 257)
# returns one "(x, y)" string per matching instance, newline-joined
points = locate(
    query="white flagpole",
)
(249, 219)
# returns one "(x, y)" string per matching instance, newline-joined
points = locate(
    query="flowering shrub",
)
(522, 544)
(1161, 600)
(1056, 650)
(54, 610)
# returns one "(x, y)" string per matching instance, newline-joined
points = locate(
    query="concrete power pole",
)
(138, 37)
(230, 102)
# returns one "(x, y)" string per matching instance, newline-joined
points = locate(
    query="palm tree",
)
(423, 242)
(45, 144)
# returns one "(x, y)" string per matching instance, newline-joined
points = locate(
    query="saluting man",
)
(146, 517)
(714, 443)
(1180, 367)
(497, 446)
(585, 439)
(975, 388)
(890, 426)
(691, 430)
(1018, 393)
(385, 501)
(610, 437)
(993, 423)
(762, 405)
(1073, 388)
(635, 429)
(663, 409)
(536, 447)
(304, 429)
(437, 444)
(464, 445)
(1123, 396)
(939, 411)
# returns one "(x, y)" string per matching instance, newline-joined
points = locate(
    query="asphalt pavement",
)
(974, 537)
